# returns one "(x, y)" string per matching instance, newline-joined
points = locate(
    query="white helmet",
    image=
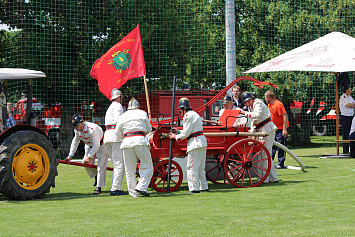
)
(115, 94)
(133, 104)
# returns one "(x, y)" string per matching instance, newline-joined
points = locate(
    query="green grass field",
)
(317, 202)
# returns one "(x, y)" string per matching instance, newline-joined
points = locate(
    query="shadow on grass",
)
(183, 190)
(56, 196)
(281, 183)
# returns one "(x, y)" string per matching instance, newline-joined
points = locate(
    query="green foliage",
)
(183, 38)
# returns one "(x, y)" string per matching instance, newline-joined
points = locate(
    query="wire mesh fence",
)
(185, 39)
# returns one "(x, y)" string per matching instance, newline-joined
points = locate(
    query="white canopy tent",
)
(19, 73)
(334, 52)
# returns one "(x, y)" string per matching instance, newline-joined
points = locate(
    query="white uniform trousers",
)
(116, 155)
(195, 169)
(131, 156)
(269, 140)
(100, 172)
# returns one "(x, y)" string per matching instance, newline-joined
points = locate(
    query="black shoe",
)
(206, 190)
(281, 167)
(97, 190)
(95, 182)
(144, 193)
(117, 193)
(193, 191)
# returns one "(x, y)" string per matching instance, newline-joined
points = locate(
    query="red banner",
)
(124, 61)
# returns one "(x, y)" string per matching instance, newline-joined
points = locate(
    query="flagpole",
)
(147, 97)
(337, 114)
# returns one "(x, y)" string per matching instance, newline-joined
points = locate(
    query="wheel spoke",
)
(250, 151)
(239, 174)
(259, 167)
(250, 180)
(256, 173)
(237, 153)
(255, 155)
(211, 169)
(159, 181)
(234, 167)
(243, 174)
(256, 161)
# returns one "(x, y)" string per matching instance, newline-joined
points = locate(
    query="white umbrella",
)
(19, 73)
(334, 52)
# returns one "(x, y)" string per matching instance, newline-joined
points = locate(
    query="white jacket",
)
(134, 120)
(113, 112)
(91, 136)
(259, 113)
(192, 123)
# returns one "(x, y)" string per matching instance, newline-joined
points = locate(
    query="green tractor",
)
(28, 163)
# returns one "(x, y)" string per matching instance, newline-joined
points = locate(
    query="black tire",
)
(316, 130)
(28, 166)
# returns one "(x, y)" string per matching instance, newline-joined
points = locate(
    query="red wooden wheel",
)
(215, 170)
(247, 163)
(160, 176)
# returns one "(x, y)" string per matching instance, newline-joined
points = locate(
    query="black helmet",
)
(184, 103)
(247, 96)
(227, 99)
(77, 119)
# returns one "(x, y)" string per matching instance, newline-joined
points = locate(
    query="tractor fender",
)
(20, 127)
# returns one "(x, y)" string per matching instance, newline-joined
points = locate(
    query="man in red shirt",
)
(280, 119)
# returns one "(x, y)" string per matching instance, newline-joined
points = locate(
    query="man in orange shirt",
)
(280, 119)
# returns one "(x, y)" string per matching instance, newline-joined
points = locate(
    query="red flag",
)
(124, 61)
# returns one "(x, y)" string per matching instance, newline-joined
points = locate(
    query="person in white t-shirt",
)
(346, 106)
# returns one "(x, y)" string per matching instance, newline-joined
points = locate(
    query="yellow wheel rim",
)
(30, 166)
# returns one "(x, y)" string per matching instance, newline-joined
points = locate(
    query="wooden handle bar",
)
(228, 134)
(210, 121)
(234, 134)
(81, 164)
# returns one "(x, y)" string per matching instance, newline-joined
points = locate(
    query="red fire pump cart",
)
(234, 155)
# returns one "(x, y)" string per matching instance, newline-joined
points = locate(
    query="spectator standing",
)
(92, 135)
(280, 119)
(113, 142)
(352, 137)
(346, 106)
(132, 126)
(237, 100)
(262, 120)
(196, 147)
(10, 121)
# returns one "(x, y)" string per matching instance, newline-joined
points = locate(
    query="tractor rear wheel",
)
(28, 165)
